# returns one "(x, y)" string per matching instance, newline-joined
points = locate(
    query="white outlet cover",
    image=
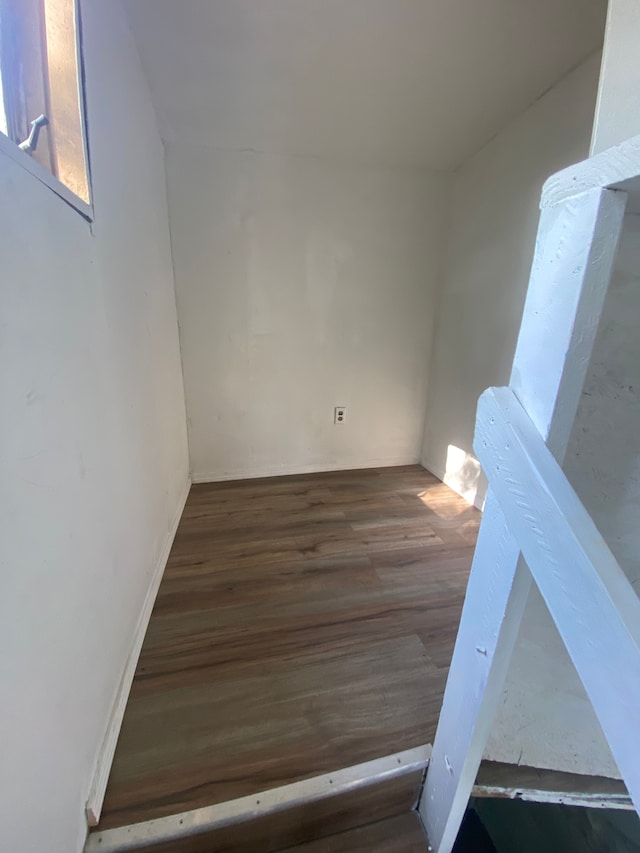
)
(339, 415)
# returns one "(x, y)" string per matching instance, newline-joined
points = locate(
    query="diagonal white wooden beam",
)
(572, 266)
(594, 606)
(496, 595)
(616, 168)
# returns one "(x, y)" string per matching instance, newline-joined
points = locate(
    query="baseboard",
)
(478, 501)
(434, 469)
(108, 747)
(288, 470)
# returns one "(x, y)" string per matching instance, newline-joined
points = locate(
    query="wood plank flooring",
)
(297, 825)
(304, 624)
(400, 834)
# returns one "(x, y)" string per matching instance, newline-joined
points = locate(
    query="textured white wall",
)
(618, 108)
(491, 235)
(302, 285)
(93, 455)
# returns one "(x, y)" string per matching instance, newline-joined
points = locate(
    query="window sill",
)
(11, 150)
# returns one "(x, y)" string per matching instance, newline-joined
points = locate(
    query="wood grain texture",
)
(306, 822)
(400, 834)
(383, 774)
(304, 624)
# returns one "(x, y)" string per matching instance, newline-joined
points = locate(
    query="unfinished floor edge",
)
(209, 818)
(538, 785)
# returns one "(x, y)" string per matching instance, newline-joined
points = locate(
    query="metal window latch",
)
(31, 142)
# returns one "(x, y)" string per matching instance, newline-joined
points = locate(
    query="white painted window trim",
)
(9, 149)
(582, 215)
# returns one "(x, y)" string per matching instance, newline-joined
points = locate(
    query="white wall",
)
(302, 285)
(373, 81)
(618, 108)
(492, 231)
(92, 447)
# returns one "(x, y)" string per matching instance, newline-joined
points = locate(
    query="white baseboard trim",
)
(433, 469)
(438, 472)
(288, 470)
(108, 747)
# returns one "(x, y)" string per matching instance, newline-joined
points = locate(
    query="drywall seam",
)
(287, 470)
(108, 746)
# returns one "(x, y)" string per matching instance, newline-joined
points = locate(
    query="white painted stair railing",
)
(534, 526)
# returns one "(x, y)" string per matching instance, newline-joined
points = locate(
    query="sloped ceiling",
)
(414, 82)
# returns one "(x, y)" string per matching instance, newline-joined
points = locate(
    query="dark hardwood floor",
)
(315, 821)
(400, 834)
(304, 624)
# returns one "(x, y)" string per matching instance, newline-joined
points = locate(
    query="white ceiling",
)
(423, 82)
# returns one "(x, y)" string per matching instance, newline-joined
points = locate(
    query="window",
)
(40, 87)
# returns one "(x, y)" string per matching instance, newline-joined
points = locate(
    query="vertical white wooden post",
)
(572, 266)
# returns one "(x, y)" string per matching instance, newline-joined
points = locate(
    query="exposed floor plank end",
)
(392, 782)
(400, 834)
(512, 782)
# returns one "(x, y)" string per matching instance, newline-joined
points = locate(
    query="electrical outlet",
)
(339, 415)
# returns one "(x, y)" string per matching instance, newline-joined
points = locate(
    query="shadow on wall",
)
(464, 475)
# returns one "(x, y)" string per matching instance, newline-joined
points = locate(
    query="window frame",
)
(11, 149)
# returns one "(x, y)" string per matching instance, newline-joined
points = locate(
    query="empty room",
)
(319, 435)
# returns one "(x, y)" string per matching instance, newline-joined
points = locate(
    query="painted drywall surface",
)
(301, 286)
(546, 719)
(618, 108)
(491, 236)
(93, 443)
(379, 81)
